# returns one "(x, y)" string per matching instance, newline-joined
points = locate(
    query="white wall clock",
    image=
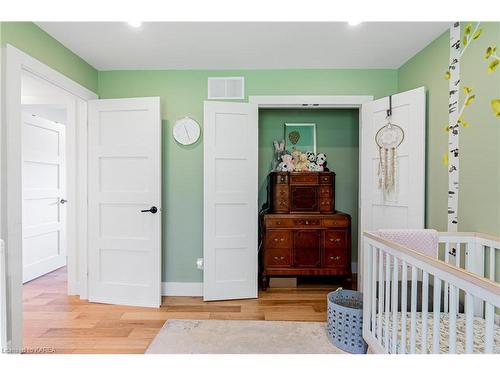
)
(186, 131)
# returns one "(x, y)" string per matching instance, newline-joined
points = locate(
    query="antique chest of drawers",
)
(305, 244)
(302, 192)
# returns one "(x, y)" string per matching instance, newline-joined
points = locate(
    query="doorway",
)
(46, 158)
(337, 136)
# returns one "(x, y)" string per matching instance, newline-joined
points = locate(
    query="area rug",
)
(241, 337)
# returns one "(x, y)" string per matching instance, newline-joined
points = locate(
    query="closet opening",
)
(313, 254)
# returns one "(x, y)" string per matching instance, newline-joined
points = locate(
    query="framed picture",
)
(300, 137)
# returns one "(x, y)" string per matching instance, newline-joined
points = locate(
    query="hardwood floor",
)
(57, 323)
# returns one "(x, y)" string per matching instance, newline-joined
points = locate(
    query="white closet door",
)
(404, 209)
(124, 201)
(230, 201)
(44, 195)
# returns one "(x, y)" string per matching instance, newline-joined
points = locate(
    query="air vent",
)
(226, 88)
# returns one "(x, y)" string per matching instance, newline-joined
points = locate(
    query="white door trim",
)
(15, 62)
(321, 101)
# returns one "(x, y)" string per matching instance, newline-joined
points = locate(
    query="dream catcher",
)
(388, 139)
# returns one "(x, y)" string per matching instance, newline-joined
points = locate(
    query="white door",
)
(405, 208)
(44, 196)
(230, 201)
(124, 201)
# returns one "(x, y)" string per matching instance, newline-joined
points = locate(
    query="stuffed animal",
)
(311, 156)
(279, 151)
(287, 164)
(313, 167)
(303, 163)
(296, 156)
(321, 161)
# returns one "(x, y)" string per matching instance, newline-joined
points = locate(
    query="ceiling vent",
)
(226, 88)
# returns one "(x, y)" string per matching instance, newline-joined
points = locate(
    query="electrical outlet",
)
(199, 263)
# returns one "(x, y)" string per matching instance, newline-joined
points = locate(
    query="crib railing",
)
(401, 285)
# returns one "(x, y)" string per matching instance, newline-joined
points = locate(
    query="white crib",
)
(460, 286)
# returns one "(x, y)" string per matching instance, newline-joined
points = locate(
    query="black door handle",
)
(153, 210)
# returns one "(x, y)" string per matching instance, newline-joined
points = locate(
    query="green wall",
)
(182, 93)
(337, 135)
(29, 38)
(479, 199)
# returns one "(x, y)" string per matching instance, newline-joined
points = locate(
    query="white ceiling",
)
(255, 45)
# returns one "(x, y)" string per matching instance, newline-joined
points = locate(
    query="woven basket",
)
(345, 321)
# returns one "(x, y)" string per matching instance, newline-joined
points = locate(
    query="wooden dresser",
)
(301, 234)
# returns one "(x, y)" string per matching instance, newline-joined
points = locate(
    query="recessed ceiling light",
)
(353, 23)
(135, 24)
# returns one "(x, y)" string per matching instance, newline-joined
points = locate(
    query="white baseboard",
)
(182, 289)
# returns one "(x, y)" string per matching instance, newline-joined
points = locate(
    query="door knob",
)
(63, 200)
(153, 210)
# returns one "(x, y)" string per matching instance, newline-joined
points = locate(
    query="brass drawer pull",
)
(279, 239)
(335, 258)
(335, 240)
(279, 258)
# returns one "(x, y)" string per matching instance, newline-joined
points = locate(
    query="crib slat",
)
(436, 303)
(380, 294)
(458, 247)
(413, 319)
(446, 286)
(489, 326)
(425, 308)
(395, 329)
(469, 321)
(453, 320)
(404, 298)
(387, 308)
(492, 263)
(374, 288)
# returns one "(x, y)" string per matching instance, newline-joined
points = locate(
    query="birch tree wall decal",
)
(455, 115)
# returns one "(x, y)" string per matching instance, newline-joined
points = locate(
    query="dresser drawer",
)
(302, 178)
(336, 223)
(282, 191)
(325, 191)
(277, 258)
(335, 258)
(278, 239)
(335, 239)
(281, 205)
(325, 204)
(279, 223)
(306, 223)
(325, 178)
(281, 178)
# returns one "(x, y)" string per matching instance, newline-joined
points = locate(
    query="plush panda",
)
(311, 156)
(321, 161)
(313, 167)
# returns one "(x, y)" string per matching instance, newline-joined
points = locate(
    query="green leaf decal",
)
(476, 34)
(468, 29)
(495, 106)
(469, 99)
(490, 51)
(447, 75)
(465, 41)
(493, 65)
(467, 90)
